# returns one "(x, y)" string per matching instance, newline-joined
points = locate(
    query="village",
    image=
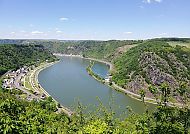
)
(25, 79)
(21, 79)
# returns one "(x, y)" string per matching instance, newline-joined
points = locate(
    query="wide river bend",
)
(68, 82)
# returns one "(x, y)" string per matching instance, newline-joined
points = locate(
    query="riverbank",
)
(33, 79)
(91, 73)
(127, 92)
(112, 84)
(111, 67)
(115, 86)
(36, 73)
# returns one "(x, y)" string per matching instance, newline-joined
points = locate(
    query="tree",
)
(153, 90)
(182, 90)
(185, 112)
(165, 92)
(142, 94)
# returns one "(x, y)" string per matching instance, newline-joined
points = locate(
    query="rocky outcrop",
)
(157, 69)
(154, 63)
(138, 83)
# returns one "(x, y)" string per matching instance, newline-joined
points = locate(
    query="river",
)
(68, 82)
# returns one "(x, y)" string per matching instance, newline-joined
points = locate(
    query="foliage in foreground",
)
(20, 116)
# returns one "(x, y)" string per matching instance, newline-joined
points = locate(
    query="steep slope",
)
(153, 62)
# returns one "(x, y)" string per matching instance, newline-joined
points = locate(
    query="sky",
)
(94, 19)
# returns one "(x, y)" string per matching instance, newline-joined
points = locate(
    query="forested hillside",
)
(16, 56)
(96, 49)
(153, 62)
(20, 116)
(107, 50)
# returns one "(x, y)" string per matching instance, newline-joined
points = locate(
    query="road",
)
(17, 85)
(131, 93)
(32, 96)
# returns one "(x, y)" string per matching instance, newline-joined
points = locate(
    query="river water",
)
(68, 82)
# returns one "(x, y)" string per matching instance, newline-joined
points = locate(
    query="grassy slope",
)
(175, 43)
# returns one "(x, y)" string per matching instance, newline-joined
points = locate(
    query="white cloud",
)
(128, 32)
(150, 1)
(37, 32)
(146, 1)
(158, 1)
(12, 32)
(63, 19)
(59, 31)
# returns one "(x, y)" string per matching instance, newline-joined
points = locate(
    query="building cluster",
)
(13, 80)
(11, 76)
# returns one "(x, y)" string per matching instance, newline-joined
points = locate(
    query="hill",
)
(21, 116)
(16, 56)
(153, 63)
(107, 50)
(94, 49)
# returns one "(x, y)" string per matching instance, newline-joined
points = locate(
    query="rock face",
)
(136, 84)
(157, 69)
(154, 63)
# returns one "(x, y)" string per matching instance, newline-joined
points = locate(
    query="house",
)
(18, 71)
(4, 86)
(36, 93)
(107, 79)
(12, 74)
(43, 96)
(5, 80)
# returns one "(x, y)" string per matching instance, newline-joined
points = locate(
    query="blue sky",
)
(94, 19)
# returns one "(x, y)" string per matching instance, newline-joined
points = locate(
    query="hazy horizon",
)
(91, 39)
